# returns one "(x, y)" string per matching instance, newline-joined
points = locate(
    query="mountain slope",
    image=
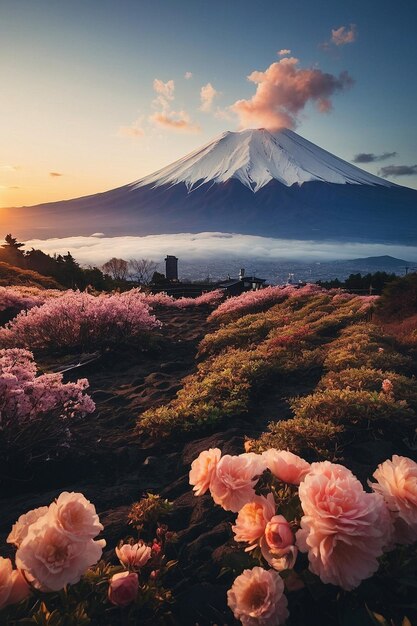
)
(251, 182)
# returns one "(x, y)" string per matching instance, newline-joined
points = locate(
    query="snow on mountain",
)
(255, 157)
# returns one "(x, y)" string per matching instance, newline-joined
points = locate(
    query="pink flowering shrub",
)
(82, 320)
(20, 298)
(250, 302)
(323, 512)
(162, 299)
(36, 412)
(58, 570)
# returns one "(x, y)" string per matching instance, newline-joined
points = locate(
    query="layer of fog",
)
(98, 248)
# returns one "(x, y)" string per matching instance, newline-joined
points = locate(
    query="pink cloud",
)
(207, 95)
(282, 92)
(341, 36)
(178, 121)
(55, 174)
(164, 89)
(284, 52)
(188, 75)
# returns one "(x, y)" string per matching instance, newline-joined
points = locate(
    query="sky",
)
(98, 93)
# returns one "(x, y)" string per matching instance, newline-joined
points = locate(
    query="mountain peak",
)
(255, 157)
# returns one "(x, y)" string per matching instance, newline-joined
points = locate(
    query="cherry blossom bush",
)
(162, 299)
(36, 412)
(25, 297)
(81, 320)
(250, 302)
(311, 534)
(58, 577)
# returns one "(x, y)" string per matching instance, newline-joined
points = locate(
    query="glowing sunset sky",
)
(98, 93)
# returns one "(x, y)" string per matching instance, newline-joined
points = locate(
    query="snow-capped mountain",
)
(255, 157)
(250, 182)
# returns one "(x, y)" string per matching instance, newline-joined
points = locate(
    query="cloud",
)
(164, 89)
(213, 246)
(178, 121)
(370, 157)
(397, 170)
(207, 95)
(135, 130)
(284, 52)
(282, 92)
(9, 168)
(188, 75)
(55, 174)
(342, 36)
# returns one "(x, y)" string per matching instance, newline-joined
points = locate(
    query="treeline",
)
(369, 283)
(63, 268)
(115, 274)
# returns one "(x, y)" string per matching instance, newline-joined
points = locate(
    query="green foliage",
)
(312, 439)
(362, 283)
(399, 298)
(12, 275)
(148, 511)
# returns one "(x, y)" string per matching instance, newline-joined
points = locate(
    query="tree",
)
(117, 268)
(11, 253)
(142, 270)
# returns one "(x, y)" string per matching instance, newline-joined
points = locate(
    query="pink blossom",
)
(75, 516)
(387, 386)
(232, 483)
(202, 469)
(123, 588)
(134, 556)
(13, 587)
(277, 544)
(253, 519)
(397, 483)
(251, 301)
(343, 529)
(286, 466)
(21, 527)
(51, 559)
(257, 598)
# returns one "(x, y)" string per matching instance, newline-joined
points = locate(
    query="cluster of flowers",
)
(252, 301)
(55, 546)
(25, 396)
(25, 297)
(342, 528)
(211, 298)
(81, 319)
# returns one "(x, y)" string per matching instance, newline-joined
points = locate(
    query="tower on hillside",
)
(171, 267)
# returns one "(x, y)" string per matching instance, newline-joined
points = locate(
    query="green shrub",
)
(312, 439)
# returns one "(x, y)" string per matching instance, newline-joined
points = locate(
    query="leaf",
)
(377, 619)
(406, 622)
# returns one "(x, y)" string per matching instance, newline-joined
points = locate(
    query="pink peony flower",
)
(387, 386)
(21, 527)
(123, 588)
(232, 483)
(286, 466)
(397, 483)
(257, 598)
(13, 587)
(344, 529)
(134, 556)
(277, 544)
(75, 516)
(52, 559)
(252, 520)
(202, 469)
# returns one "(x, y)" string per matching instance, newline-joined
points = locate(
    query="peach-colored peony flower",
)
(397, 483)
(286, 466)
(277, 544)
(202, 469)
(13, 587)
(252, 520)
(387, 386)
(123, 588)
(75, 516)
(50, 557)
(344, 529)
(233, 481)
(257, 598)
(21, 527)
(134, 556)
